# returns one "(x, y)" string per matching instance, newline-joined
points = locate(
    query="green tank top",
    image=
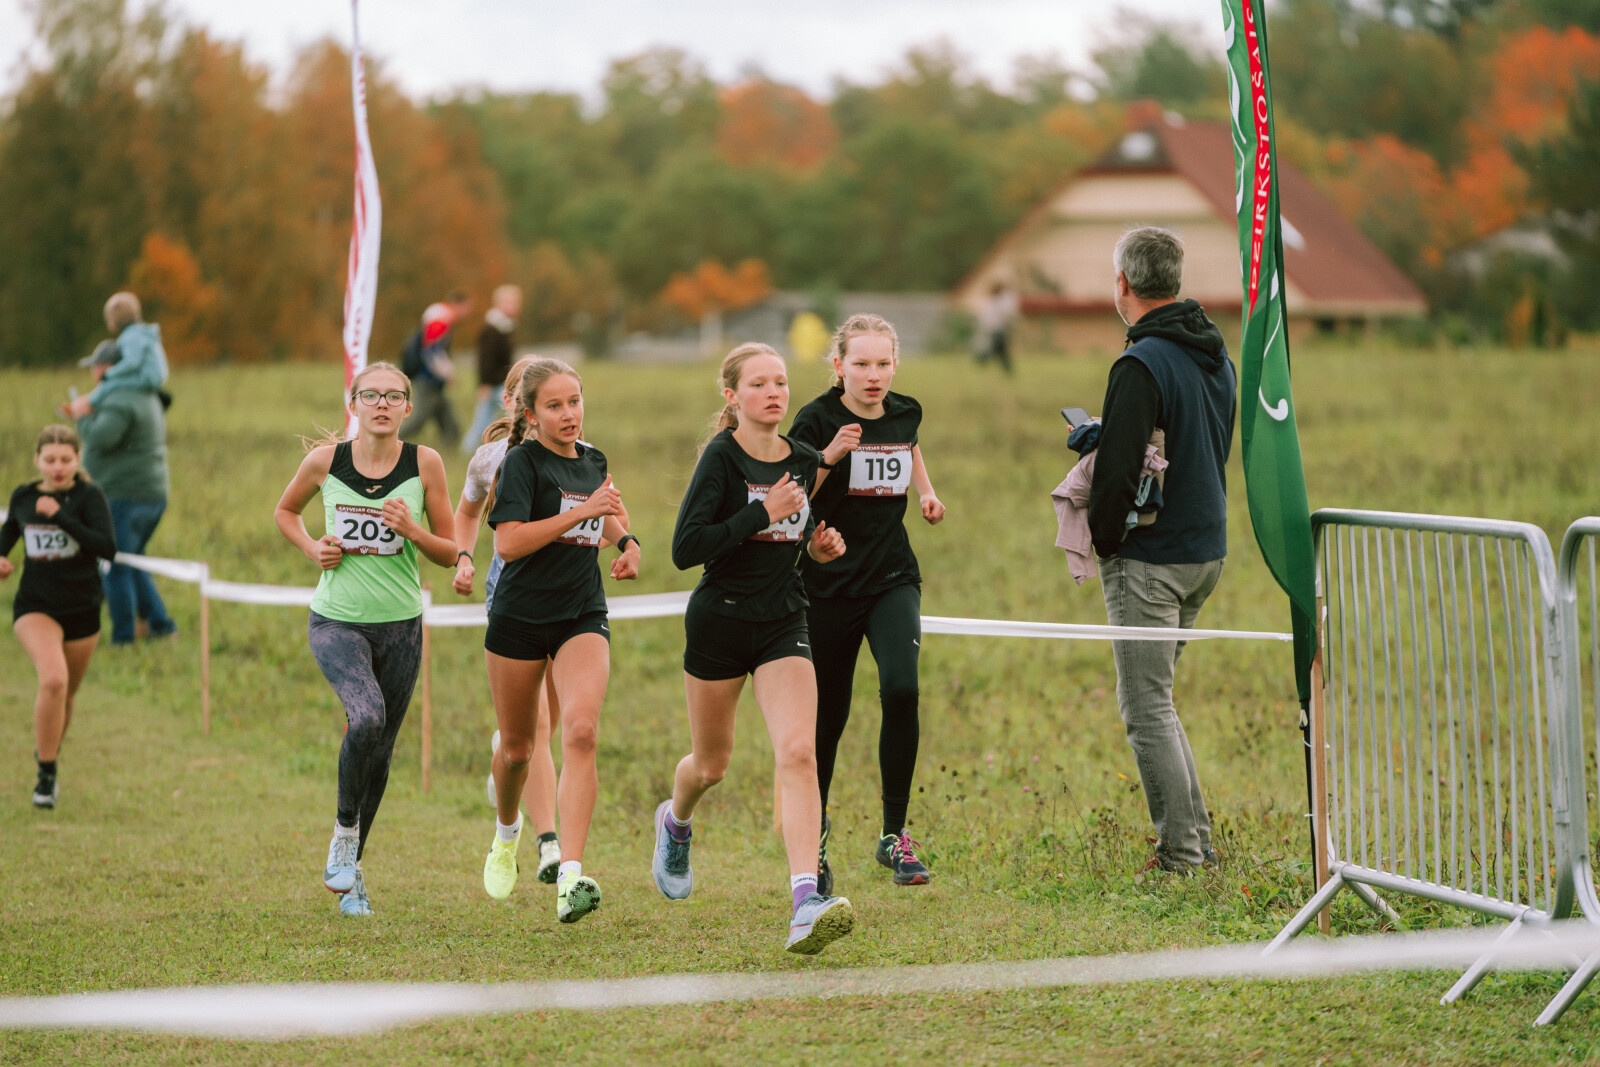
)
(377, 581)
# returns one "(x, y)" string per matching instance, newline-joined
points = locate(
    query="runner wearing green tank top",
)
(366, 616)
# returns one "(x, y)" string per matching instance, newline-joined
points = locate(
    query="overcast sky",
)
(433, 46)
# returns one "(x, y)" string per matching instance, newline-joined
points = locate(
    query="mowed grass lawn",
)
(179, 859)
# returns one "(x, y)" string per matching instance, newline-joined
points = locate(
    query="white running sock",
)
(569, 867)
(508, 833)
(345, 831)
(679, 823)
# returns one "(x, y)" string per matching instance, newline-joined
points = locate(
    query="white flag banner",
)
(361, 279)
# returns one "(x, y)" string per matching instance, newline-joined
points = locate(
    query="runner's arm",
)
(439, 542)
(305, 484)
(698, 538)
(932, 506)
(11, 529)
(89, 524)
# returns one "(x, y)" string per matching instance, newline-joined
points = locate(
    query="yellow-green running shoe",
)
(576, 896)
(500, 869)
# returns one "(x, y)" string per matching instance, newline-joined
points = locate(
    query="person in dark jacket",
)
(1175, 376)
(426, 360)
(496, 349)
(125, 451)
(64, 524)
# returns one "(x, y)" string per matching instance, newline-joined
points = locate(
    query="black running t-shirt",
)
(864, 497)
(750, 560)
(562, 579)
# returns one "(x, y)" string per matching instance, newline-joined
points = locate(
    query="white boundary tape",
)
(664, 605)
(276, 1012)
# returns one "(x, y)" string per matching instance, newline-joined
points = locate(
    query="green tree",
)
(73, 202)
(907, 206)
(697, 208)
(1157, 65)
(1563, 174)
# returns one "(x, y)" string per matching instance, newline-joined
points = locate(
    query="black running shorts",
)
(75, 625)
(719, 647)
(515, 639)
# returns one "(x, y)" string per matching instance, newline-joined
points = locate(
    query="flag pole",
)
(1274, 476)
(366, 229)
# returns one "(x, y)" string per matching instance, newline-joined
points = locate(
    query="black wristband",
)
(463, 552)
(823, 464)
(622, 542)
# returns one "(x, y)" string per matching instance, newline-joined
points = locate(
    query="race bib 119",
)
(880, 470)
(791, 529)
(361, 531)
(48, 542)
(587, 532)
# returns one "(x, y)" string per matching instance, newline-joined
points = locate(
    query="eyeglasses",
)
(394, 397)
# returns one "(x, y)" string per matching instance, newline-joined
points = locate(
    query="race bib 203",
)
(587, 532)
(48, 542)
(791, 529)
(880, 470)
(361, 531)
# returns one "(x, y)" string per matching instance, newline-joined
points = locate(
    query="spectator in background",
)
(496, 349)
(137, 361)
(1175, 376)
(125, 452)
(995, 316)
(425, 359)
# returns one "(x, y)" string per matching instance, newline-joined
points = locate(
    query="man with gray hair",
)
(1174, 376)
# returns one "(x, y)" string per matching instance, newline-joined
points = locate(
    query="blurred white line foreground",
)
(275, 1012)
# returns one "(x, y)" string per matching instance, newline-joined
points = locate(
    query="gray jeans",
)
(1160, 594)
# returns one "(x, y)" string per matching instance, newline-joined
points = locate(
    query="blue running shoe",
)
(340, 874)
(671, 863)
(818, 922)
(355, 902)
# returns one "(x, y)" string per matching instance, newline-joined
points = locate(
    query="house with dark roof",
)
(1180, 174)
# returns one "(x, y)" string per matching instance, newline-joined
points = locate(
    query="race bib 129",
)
(361, 531)
(790, 529)
(48, 542)
(587, 532)
(880, 470)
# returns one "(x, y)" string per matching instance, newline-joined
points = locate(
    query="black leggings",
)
(372, 668)
(892, 624)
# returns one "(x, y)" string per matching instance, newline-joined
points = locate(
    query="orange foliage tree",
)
(768, 124)
(712, 288)
(169, 285)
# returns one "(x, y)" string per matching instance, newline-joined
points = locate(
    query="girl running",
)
(877, 592)
(554, 503)
(366, 616)
(64, 523)
(477, 496)
(746, 516)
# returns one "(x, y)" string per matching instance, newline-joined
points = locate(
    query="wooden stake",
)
(205, 665)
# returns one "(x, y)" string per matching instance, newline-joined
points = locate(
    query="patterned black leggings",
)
(373, 668)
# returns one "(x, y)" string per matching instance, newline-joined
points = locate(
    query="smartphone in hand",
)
(1075, 417)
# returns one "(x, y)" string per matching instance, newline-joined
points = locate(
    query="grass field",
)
(180, 859)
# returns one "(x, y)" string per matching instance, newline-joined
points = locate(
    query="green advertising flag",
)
(1274, 481)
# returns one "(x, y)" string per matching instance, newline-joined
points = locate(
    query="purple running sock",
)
(678, 831)
(802, 886)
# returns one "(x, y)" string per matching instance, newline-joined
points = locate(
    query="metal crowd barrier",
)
(1440, 730)
(1578, 602)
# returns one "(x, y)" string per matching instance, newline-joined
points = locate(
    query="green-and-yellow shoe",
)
(576, 896)
(500, 869)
